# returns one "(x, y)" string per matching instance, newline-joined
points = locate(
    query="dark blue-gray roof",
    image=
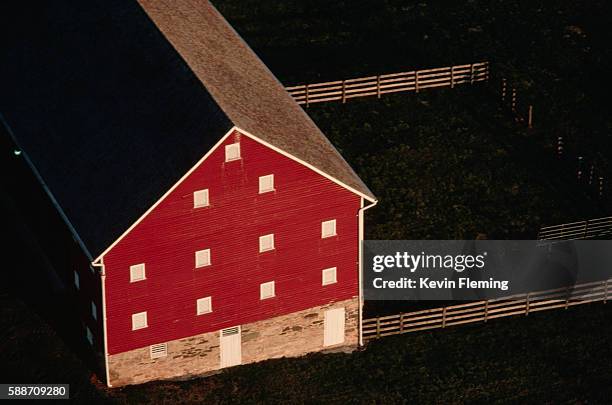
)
(113, 101)
(104, 107)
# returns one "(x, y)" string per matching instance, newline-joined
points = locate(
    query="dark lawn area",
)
(561, 357)
(448, 164)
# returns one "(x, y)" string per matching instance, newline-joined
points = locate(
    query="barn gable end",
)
(166, 241)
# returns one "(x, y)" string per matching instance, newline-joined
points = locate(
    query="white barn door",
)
(230, 346)
(333, 333)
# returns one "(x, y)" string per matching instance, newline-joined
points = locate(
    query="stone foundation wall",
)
(289, 335)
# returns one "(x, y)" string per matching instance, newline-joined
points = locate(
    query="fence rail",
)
(342, 90)
(482, 311)
(589, 229)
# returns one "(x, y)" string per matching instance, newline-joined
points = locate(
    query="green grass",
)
(32, 352)
(562, 356)
(446, 165)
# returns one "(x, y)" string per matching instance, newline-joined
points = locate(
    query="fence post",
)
(486, 310)
(601, 186)
(343, 91)
(606, 295)
(530, 119)
(378, 86)
(579, 171)
(559, 146)
(586, 229)
(452, 77)
(513, 105)
(377, 327)
(592, 171)
(444, 317)
(472, 74)
(401, 322)
(567, 293)
(527, 304)
(416, 81)
(503, 90)
(307, 91)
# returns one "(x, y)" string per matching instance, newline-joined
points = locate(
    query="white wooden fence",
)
(342, 90)
(483, 311)
(589, 229)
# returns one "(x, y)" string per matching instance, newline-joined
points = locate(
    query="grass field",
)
(558, 357)
(447, 164)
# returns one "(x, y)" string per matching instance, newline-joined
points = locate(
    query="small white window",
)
(200, 199)
(94, 310)
(329, 276)
(266, 290)
(266, 243)
(77, 280)
(266, 183)
(159, 350)
(328, 228)
(204, 305)
(232, 152)
(89, 335)
(137, 272)
(202, 258)
(139, 320)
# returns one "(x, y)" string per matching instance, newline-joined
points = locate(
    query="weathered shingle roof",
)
(243, 86)
(113, 102)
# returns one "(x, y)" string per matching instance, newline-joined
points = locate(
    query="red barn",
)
(215, 225)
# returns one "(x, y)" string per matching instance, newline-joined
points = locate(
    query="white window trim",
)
(203, 195)
(263, 287)
(77, 280)
(146, 320)
(334, 271)
(204, 300)
(94, 310)
(331, 222)
(206, 264)
(262, 184)
(229, 149)
(262, 240)
(136, 267)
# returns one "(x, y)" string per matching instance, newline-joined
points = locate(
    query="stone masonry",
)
(289, 335)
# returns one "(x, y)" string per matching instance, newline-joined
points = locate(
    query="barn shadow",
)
(34, 252)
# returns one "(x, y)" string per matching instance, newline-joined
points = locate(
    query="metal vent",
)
(159, 350)
(230, 331)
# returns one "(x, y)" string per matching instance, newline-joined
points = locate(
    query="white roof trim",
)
(170, 190)
(234, 128)
(308, 165)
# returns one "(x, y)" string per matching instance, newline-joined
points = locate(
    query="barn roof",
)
(243, 86)
(113, 102)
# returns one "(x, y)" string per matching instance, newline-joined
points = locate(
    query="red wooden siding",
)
(166, 240)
